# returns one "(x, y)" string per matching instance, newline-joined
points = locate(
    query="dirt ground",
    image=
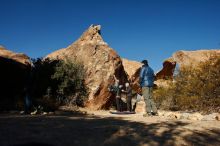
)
(100, 128)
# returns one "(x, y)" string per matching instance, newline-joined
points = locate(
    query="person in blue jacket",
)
(147, 82)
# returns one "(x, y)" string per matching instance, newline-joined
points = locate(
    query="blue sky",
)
(136, 29)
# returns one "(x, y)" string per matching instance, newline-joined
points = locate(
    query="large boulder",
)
(131, 67)
(193, 58)
(13, 77)
(168, 69)
(101, 62)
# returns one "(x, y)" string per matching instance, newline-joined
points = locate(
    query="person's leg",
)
(145, 91)
(128, 100)
(27, 103)
(118, 108)
(151, 100)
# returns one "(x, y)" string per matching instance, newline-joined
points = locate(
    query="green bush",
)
(194, 88)
(71, 88)
(57, 82)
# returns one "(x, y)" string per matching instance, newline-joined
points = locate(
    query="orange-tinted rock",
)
(167, 70)
(101, 62)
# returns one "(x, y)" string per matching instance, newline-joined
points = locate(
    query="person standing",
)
(147, 82)
(128, 92)
(28, 88)
(116, 89)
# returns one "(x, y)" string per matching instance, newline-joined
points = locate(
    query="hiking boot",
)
(147, 115)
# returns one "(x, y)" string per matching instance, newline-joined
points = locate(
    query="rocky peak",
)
(91, 36)
(101, 62)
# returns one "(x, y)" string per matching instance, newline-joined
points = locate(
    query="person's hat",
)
(144, 61)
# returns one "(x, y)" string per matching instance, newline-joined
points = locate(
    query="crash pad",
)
(122, 113)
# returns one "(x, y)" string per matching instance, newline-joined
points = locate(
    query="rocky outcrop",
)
(167, 70)
(101, 62)
(193, 58)
(18, 57)
(14, 70)
(185, 59)
(131, 67)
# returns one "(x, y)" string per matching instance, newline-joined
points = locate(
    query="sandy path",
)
(100, 128)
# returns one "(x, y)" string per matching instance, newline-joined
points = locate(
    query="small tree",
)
(70, 76)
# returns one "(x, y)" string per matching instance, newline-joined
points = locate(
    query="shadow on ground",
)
(75, 129)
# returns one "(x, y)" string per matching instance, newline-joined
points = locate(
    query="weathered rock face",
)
(18, 57)
(101, 62)
(131, 67)
(185, 59)
(193, 58)
(14, 70)
(167, 70)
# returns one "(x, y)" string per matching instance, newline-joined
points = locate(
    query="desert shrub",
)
(164, 97)
(194, 88)
(70, 77)
(57, 82)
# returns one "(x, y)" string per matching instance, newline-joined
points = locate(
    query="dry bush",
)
(194, 89)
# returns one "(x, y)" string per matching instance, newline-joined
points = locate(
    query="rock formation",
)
(168, 69)
(18, 57)
(185, 59)
(14, 69)
(101, 62)
(193, 58)
(131, 67)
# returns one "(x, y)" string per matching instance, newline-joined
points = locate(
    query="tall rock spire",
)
(101, 62)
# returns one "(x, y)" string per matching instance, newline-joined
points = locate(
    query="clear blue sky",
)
(136, 29)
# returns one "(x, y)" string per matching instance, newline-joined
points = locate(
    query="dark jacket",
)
(128, 91)
(116, 90)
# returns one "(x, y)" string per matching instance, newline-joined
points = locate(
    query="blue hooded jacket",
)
(146, 76)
